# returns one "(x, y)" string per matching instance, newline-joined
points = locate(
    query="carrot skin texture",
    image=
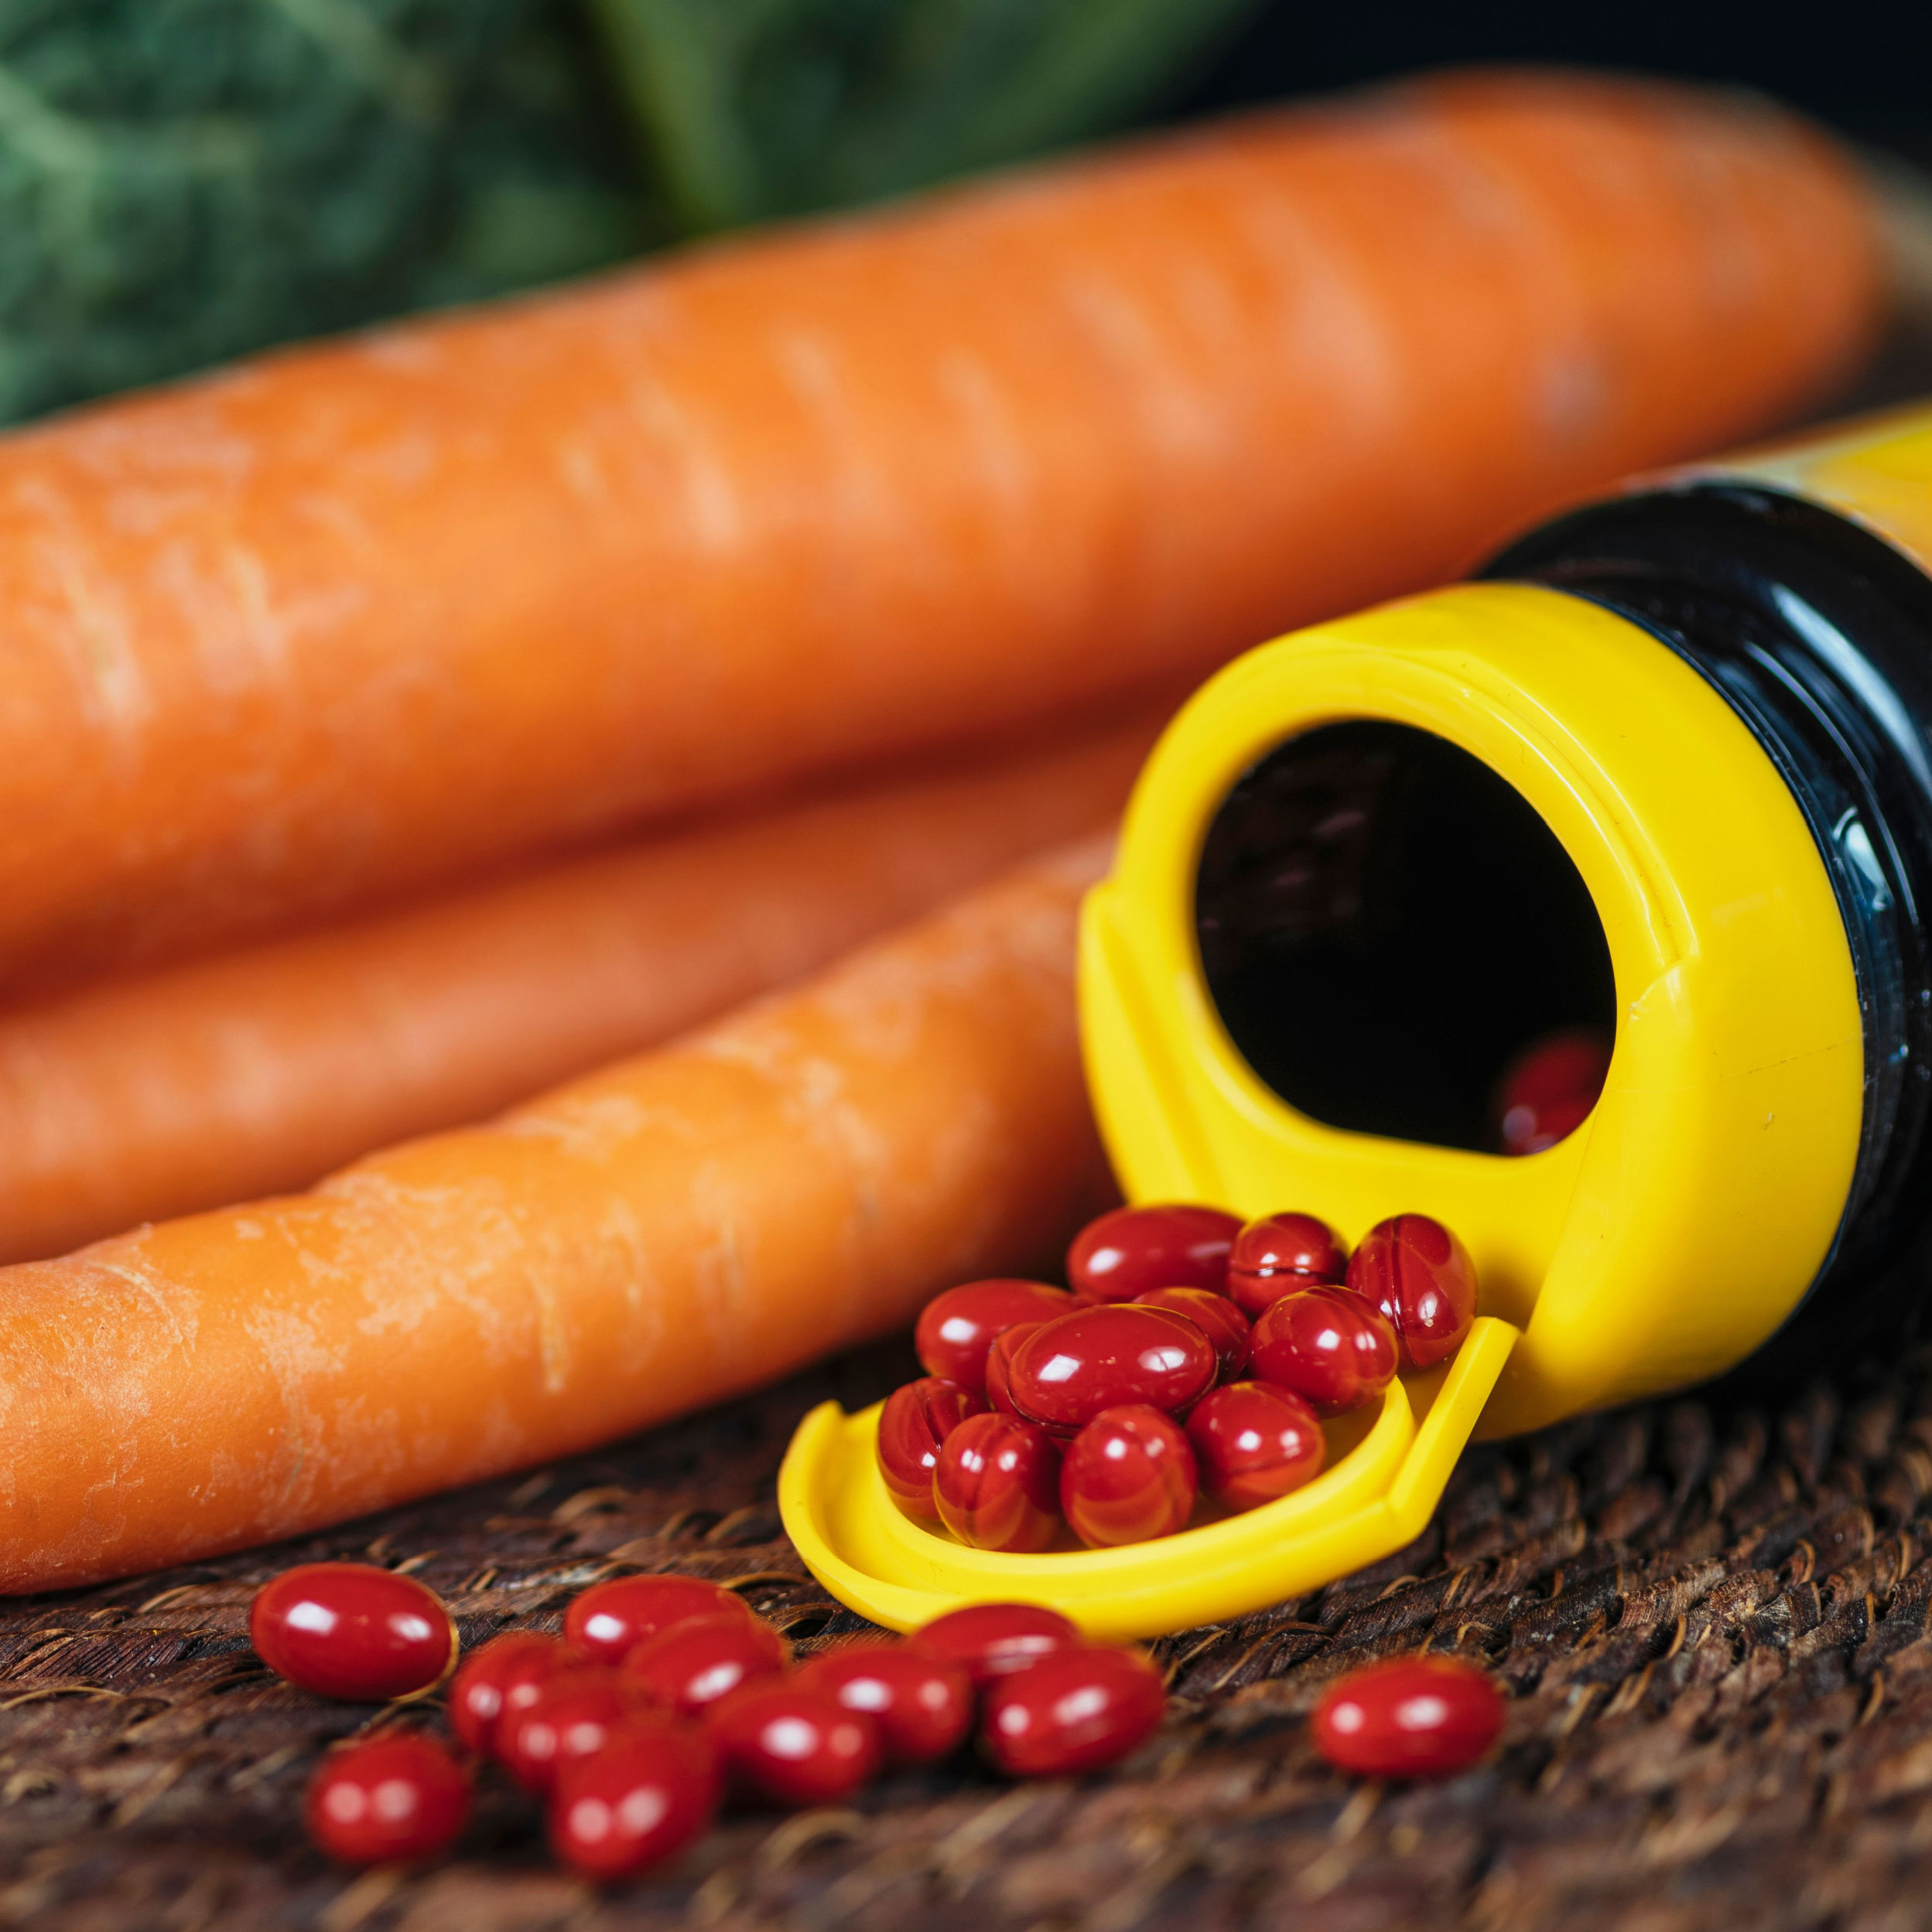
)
(356, 617)
(196, 1086)
(680, 1227)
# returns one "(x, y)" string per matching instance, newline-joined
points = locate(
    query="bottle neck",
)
(1819, 635)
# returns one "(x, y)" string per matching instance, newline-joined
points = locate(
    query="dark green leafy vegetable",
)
(181, 180)
(752, 109)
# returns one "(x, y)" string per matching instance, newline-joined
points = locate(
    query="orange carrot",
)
(259, 1072)
(367, 615)
(685, 1225)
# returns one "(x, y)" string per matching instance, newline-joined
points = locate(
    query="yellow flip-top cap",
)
(1659, 1243)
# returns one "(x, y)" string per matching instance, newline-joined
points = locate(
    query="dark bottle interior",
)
(1384, 924)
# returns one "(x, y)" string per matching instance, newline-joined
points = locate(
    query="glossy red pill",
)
(997, 1484)
(1328, 1346)
(351, 1630)
(1072, 1712)
(1278, 1254)
(1411, 1717)
(643, 1798)
(990, 1641)
(1547, 1092)
(1070, 1368)
(1171, 1245)
(1128, 1476)
(999, 1368)
(955, 1329)
(694, 1664)
(402, 1796)
(573, 1713)
(794, 1744)
(504, 1677)
(1421, 1276)
(610, 1619)
(1216, 1316)
(913, 1428)
(1253, 1442)
(922, 1706)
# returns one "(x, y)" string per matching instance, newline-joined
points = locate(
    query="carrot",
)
(256, 1073)
(685, 1225)
(367, 615)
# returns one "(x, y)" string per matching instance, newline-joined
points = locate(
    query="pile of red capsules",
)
(662, 1693)
(1191, 1356)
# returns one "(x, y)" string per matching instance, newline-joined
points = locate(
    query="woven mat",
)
(1713, 1623)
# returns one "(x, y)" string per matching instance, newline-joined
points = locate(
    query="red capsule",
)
(794, 1744)
(1421, 1276)
(1280, 1253)
(1253, 1442)
(573, 1714)
(1000, 1370)
(913, 1427)
(1411, 1717)
(610, 1619)
(922, 1706)
(957, 1328)
(997, 1485)
(1070, 1368)
(1328, 1346)
(1128, 1476)
(990, 1641)
(503, 1678)
(401, 1796)
(1214, 1315)
(351, 1630)
(643, 1798)
(1173, 1245)
(1074, 1712)
(693, 1664)
(1548, 1090)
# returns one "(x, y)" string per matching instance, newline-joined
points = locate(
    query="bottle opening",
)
(1386, 927)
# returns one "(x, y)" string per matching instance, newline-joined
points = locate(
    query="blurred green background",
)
(183, 180)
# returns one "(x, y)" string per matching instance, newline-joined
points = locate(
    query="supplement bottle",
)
(1663, 772)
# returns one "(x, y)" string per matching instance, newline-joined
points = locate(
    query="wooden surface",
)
(1714, 1629)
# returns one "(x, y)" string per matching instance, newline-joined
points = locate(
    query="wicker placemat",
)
(1713, 1626)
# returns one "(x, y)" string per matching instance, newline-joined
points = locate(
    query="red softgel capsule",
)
(399, 1796)
(955, 1329)
(354, 1631)
(1072, 1712)
(913, 1428)
(1421, 1276)
(794, 1743)
(648, 1793)
(693, 1664)
(610, 1619)
(922, 1706)
(990, 1641)
(1128, 1476)
(573, 1714)
(1253, 1442)
(1070, 1368)
(997, 1484)
(1547, 1092)
(1411, 1717)
(1216, 1316)
(1171, 1245)
(501, 1679)
(1328, 1346)
(1280, 1253)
